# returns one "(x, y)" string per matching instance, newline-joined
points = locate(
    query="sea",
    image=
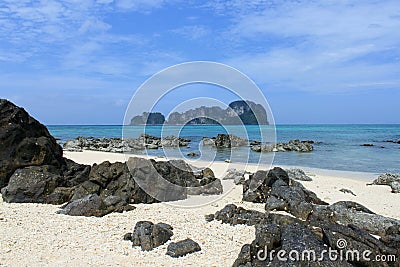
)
(336, 147)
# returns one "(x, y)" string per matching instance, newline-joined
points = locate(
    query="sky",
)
(80, 62)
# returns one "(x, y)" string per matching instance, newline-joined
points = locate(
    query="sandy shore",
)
(33, 234)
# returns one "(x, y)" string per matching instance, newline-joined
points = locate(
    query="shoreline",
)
(92, 156)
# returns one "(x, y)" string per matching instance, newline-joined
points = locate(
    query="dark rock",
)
(149, 236)
(24, 142)
(209, 217)
(192, 154)
(34, 184)
(287, 195)
(367, 145)
(182, 248)
(347, 191)
(298, 174)
(292, 145)
(93, 205)
(172, 180)
(119, 145)
(351, 238)
(127, 237)
(390, 179)
(231, 214)
(348, 212)
(229, 140)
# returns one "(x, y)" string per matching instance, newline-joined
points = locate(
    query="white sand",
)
(32, 234)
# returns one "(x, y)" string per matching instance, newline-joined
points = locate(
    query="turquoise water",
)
(338, 146)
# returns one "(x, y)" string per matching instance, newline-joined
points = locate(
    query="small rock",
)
(347, 191)
(192, 154)
(367, 145)
(209, 217)
(182, 248)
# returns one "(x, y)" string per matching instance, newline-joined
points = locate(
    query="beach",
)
(33, 234)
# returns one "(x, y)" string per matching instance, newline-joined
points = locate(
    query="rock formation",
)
(312, 226)
(292, 145)
(24, 142)
(390, 179)
(119, 145)
(238, 112)
(33, 170)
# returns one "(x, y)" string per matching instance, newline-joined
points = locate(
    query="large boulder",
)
(34, 184)
(172, 180)
(45, 184)
(24, 142)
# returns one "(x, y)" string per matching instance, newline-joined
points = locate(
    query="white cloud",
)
(315, 45)
(193, 32)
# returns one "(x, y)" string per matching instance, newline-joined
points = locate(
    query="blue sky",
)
(79, 62)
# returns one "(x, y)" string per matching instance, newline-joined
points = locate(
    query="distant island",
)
(238, 112)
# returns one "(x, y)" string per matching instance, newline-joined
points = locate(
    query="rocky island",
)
(237, 113)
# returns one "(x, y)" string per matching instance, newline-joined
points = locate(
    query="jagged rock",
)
(24, 142)
(233, 215)
(238, 113)
(172, 180)
(182, 248)
(287, 195)
(34, 184)
(348, 212)
(351, 238)
(298, 174)
(229, 140)
(93, 205)
(391, 238)
(347, 191)
(292, 145)
(148, 235)
(390, 179)
(119, 145)
(290, 235)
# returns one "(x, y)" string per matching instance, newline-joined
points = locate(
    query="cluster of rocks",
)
(225, 141)
(292, 145)
(311, 225)
(390, 179)
(230, 140)
(119, 145)
(33, 170)
(393, 141)
(149, 236)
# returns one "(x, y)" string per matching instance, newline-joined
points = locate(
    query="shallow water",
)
(338, 147)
